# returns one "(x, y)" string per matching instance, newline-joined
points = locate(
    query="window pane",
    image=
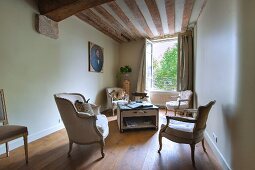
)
(149, 73)
(164, 66)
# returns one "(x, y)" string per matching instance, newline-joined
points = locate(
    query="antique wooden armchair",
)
(186, 130)
(82, 128)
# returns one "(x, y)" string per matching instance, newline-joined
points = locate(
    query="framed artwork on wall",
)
(96, 58)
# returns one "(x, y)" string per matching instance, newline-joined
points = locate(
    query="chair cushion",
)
(84, 107)
(78, 106)
(9, 131)
(174, 105)
(180, 129)
(102, 125)
(96, 109)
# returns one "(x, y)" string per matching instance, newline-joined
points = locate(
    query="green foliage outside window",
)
(165, 71)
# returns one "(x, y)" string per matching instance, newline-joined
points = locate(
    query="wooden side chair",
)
(10, 132)
(186, 130)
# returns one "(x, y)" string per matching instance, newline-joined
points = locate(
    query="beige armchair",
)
(183, 102)
(10, 132)
(114, 96)
(186, 130)
(82, 128)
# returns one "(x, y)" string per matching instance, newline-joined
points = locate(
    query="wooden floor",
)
(132, 150)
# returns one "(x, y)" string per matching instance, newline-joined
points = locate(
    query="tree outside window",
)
(161, 65)
(165, 70)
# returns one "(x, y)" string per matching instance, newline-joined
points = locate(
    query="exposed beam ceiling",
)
(152, 6)
(187, 13)
(101, 25)
(127, 20)
(114, 22)
(139, 16)
(57, 10)
(133, 19)
(119, 12)
(170, 8)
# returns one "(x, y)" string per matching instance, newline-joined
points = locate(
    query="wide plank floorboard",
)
(131, 150)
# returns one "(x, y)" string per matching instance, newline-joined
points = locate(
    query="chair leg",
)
(160, 142)
(25, 147)
(70, 148)
(7, 149)
(166, 111)
(102, 148)
(203, 144)
(113, 111)
(192, 146)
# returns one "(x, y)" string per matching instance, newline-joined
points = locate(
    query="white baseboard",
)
(217, 152)
(19, 142)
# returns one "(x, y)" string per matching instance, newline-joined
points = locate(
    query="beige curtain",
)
(185, 61)
(141, 82)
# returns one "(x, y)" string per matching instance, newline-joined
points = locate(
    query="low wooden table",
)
(137, 118)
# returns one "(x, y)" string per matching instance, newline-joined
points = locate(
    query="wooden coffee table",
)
(137, 118)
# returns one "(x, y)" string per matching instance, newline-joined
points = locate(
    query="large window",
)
(161, 65)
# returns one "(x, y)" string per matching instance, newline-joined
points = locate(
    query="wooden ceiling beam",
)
(95, 21)
(170, 12)
(58, 10)
(139, 16)
(153, 8)
(187, 14)
(113, 21)
(119, 12)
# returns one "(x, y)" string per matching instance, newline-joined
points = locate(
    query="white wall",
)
(33, 67)
(244, 143)
(224, 62)
(130, 54)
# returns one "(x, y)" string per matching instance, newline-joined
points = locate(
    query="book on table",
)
(139, 105)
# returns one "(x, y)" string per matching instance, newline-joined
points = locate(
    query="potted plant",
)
(125, 70)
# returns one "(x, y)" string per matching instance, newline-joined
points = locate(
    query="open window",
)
(161, 65)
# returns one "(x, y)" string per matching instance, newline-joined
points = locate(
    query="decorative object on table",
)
(183, 102)
(114, 96)
(10, 132)
(96, 58)
(125, 82)
(140, 96)
(77, 123)
(186, 130)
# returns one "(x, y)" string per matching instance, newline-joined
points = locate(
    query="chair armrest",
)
(84, 115)
(191, 110)
(182, 119)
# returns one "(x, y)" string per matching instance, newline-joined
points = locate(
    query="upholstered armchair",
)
(10, 132)
(183, 101)
(82, 127)
(186, 130)
(114, 96)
